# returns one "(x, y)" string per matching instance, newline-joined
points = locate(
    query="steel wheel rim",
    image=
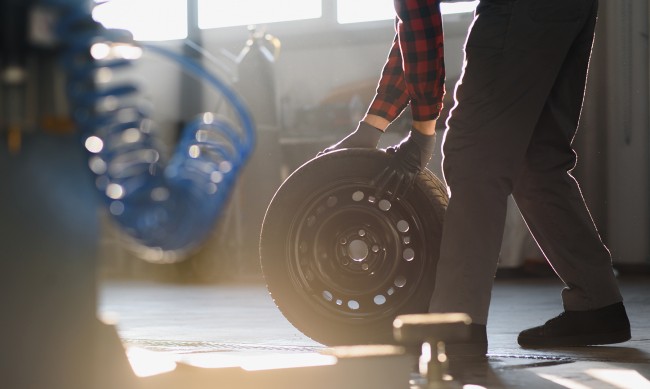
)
(354, 257)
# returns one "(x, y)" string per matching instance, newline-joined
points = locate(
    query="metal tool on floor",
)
(432, 331)
(342, 263)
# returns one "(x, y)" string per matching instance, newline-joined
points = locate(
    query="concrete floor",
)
(230, 326)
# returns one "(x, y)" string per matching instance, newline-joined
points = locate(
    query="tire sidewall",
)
(359, 165)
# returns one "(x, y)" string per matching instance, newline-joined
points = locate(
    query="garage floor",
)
(225, 328)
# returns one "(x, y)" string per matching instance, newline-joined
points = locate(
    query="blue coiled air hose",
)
(167, 207)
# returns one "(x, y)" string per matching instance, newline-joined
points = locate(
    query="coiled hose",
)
(166, 207)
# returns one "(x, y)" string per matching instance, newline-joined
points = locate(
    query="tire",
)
(340, 264)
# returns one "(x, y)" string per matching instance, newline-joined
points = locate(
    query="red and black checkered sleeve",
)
(391, 97)
(415, 70)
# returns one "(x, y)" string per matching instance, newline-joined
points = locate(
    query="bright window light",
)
(620, 378)
(147, 363)
(214, 14)
(355, 11)
(609, 376)
(458, 8)
(564, 382)
(148, 20)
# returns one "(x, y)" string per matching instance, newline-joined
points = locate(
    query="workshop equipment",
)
(166, 206)
(49, 226)
(431, 331)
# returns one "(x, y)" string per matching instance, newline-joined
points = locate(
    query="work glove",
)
(408, 159)
(365, 136)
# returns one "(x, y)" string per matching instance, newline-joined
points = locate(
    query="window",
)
(354, 11)
(148, 20)
(164, 20)
(214, 14)
(458, 8)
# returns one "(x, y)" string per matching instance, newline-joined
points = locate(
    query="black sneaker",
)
(580, 328)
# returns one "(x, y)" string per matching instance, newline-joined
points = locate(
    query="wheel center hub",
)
(358, 250)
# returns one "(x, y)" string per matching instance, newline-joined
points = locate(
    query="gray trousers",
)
(517, 109)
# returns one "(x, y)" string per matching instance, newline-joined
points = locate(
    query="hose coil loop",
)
(167, 207)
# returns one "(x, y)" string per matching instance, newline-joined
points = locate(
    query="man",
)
(517, 109)
(414, 75)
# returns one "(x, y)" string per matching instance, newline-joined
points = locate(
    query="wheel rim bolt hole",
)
(399, 282)
(384, 205)
(358, 195)
(403, 226)
(353, 305)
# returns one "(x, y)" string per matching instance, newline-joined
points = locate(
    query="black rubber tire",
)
(330, 291)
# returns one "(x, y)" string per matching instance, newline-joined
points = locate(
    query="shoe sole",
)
(576, 341)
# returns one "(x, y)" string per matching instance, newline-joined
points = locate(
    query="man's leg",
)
(512, 61)
(550, 198)
(553, 206)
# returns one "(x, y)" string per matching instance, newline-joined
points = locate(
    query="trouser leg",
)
(514, 53)
(550, 199)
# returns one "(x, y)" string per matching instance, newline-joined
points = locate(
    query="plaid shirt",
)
(415, 69)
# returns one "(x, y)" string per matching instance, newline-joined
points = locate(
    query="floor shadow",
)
(496, 373)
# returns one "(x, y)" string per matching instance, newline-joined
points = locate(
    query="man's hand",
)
(365, 136)
(408, 158)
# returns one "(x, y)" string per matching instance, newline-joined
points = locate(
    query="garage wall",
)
(613, 143)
